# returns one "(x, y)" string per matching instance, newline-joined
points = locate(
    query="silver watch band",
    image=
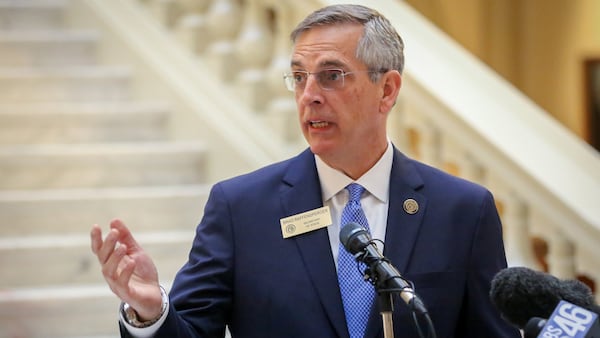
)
(132, 318)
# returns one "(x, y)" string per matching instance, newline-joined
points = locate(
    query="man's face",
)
(343, 124)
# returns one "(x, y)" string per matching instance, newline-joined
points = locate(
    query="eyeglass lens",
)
(327, 79)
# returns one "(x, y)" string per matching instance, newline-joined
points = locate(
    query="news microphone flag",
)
(571, 321)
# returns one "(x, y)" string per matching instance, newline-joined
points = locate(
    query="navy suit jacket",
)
(242, 273)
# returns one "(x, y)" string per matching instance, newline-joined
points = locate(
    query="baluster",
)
(254, 49)
(515, 219)
(194, 6)
(410, 127)
(429, 142)
(451, 155)
(471, 169)
(561, 260)
(397, 124)
(424, 133)
(589, 265)
(191, 27)
(223, 22)
(281, 112)
(515, 216)
(166, 11)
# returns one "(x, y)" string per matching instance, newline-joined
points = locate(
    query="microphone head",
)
(354, 237)
(533, 327)
(520, 293)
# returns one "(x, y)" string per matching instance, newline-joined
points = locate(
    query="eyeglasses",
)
(328, 79)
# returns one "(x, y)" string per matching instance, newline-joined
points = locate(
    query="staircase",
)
(87, 135)
(79, 146)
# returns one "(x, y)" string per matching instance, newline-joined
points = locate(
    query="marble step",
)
(97, 83)
(31, 14)
(47, 48)
(98, 165)
(55, 260)
(63, 212)
(69, 311)
(67, 123)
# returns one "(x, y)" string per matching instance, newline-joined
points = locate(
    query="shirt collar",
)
(376, 181)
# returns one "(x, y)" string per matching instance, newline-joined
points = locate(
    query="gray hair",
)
(380, 48)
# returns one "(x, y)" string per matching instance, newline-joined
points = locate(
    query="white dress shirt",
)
(374, 201)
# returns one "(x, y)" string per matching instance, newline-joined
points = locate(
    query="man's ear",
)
(391, 81)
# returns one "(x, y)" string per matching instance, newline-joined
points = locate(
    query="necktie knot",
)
(355, 190)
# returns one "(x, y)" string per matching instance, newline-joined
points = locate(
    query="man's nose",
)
(312, 92)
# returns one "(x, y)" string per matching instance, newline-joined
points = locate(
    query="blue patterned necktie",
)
(358, 295)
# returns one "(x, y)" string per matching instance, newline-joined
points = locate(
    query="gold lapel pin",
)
(410, 206)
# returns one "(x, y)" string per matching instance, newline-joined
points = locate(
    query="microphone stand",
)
(385, 300)
(386, 307)
(385, 278)
(385, 289)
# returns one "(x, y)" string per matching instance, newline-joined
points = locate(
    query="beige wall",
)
(538, 45)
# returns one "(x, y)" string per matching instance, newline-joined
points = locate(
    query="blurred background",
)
(134, 108)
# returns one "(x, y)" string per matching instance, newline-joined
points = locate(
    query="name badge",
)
(305, 222)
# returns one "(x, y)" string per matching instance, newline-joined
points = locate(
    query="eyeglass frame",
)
(291, 84)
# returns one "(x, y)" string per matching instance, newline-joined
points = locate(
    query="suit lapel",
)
(402, 227)
(300, 192)
(403, 224)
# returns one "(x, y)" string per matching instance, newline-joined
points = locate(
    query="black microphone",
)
(534, 326)
(359, 243)
(520, 293)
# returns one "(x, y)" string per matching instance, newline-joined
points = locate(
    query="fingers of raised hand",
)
(96, 238)
(117, 267)
(125, 271)
(108, 246)
(116, 254)
(125, 235)
(112, 266)
(117, 271)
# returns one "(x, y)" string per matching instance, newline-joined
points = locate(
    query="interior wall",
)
(540, 46)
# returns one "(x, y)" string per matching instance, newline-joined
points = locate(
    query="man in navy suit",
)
(264, 259)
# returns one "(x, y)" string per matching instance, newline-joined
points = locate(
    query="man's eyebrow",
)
(332, 63)
(323, 64)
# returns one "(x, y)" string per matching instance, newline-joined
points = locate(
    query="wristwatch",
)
(132, 318)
